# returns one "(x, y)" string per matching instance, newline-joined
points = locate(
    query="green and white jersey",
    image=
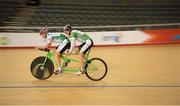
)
(79, 36)
(56, 37)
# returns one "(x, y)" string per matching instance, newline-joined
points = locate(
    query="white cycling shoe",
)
(79, 72)
(58, 71)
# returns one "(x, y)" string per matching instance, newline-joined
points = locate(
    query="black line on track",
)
(113, 86)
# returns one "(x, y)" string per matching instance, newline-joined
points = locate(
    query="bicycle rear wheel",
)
(96, 69)
(40, 70)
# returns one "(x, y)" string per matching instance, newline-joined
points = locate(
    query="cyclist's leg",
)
(60, 49)
(83, 49)
(86, 46)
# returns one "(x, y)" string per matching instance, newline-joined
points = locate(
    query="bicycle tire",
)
(39, 73)
(101, 66)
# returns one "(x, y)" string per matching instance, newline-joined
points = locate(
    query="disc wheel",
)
(40, 70)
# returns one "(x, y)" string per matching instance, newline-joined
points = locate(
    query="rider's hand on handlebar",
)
(42, 49)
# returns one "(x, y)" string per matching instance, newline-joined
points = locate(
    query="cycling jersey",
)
(81, 37)
(55, 37)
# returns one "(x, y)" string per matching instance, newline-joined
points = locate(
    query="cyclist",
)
(84, 39)
(62, 39)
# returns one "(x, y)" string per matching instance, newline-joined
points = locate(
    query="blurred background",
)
(141, 75)
(88, 15)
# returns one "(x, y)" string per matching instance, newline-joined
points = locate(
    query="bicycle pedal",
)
(88, 61)
(58, 72)
(79, 73)
(66, 63)
(82, 72)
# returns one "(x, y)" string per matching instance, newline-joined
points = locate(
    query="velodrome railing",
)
(92, 28)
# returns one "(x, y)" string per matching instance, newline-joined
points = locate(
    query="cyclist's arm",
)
(73, 42)
(47, 46)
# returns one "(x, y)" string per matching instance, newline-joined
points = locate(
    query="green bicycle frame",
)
(65, 58)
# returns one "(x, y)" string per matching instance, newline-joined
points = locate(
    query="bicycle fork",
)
(43, 67)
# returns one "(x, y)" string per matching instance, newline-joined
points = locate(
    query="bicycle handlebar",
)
(44, 49)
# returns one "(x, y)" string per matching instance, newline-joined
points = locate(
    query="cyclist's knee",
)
(77, 50)
(81, 53)
(58, 53)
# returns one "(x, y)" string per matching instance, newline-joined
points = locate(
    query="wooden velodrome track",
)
(138, 75)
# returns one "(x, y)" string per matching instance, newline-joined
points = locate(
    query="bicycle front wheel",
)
(96, 69)
(40, 70)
